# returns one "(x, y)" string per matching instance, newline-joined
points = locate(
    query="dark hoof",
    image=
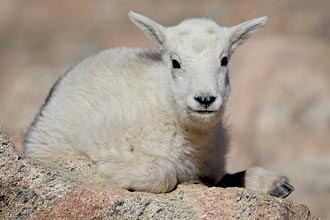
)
(283, 190)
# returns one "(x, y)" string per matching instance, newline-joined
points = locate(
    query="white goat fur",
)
(136, 116)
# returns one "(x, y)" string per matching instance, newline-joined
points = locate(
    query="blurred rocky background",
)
(279, 110)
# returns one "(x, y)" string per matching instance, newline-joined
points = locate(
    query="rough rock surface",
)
(70, 189)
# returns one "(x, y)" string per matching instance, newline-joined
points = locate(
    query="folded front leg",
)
(150, 174)
(259, 179)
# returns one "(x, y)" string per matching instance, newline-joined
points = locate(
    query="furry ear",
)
(153, 30)
(240, 33)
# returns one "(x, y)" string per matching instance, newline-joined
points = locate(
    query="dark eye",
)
(176, 64)
(224, 61)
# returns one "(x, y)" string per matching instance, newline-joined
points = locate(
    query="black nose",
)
(205, 101)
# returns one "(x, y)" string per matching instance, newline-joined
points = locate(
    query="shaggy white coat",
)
(136, 116)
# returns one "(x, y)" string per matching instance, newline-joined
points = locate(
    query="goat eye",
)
(175, 64)
(224, 61)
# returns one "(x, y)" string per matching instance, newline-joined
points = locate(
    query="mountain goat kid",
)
(152, 118)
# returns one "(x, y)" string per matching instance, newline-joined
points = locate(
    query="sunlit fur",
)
(136, 117)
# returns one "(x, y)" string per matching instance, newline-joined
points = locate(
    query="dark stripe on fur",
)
(50, 94)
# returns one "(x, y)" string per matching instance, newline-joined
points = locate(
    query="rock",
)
(70, 189)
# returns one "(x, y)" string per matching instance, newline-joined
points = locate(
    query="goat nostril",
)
(205, 100)
(199, 99)
(211, 99)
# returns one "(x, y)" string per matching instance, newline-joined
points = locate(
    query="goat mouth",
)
(202, 112)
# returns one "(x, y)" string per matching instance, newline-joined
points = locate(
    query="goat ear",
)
(240, 33)
(153, 30)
